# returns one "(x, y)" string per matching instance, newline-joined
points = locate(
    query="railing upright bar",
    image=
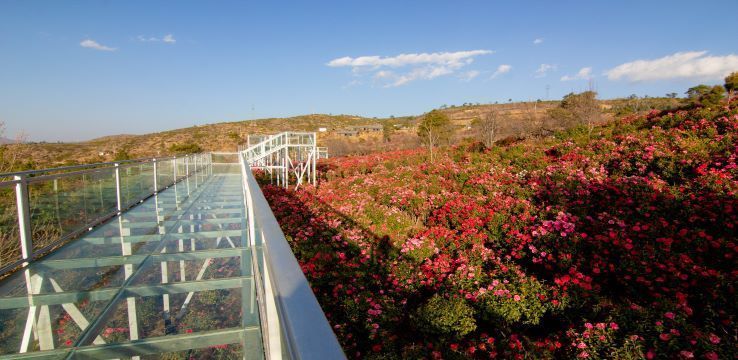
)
(156, 178)
(24, 216)
(117, 188)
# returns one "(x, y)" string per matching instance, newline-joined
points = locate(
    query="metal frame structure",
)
(287, 156)
(281, 317)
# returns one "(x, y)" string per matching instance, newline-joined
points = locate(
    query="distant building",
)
(347, 133)
(358, 129)
(367, 128)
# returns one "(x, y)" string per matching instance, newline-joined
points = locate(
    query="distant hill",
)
(226, 136)
(4, 141)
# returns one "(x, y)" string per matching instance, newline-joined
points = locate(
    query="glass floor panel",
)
(171, 277)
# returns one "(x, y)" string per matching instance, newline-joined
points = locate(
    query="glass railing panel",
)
(10, 249)
(68, 204)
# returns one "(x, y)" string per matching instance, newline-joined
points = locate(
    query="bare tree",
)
(586, 109)
(577, 109)
(488, 127)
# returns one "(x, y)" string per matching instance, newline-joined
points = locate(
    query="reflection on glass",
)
(172, 267)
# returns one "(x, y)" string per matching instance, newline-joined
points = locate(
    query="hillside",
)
(519, 120)
(620, 244)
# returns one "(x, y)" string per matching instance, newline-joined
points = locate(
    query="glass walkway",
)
(171, 277)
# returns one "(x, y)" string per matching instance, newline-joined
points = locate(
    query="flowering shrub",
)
(621, 245)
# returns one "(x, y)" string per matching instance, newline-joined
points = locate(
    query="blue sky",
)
(75, 70)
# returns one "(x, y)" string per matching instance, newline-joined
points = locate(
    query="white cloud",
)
(681, 65)
(584, 73)
(469, 75)
(92, 44)
(421, 66)
(538, 41)
(502, 69)
(168, 38)
(544, 69)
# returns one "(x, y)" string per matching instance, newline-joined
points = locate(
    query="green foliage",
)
(444, 316)
(695, 92)
(518, 302)
(705, 95)
(713, 97)
(434, 128)
(731, 82)
(388, 130)
(122, 154)
(235, 137)
(185, 148)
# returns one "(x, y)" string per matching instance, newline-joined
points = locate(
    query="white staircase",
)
(288, 157)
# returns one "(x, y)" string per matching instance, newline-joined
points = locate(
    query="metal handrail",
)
(303, 329)
(101, 165)
(22, 179)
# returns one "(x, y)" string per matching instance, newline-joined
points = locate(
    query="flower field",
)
(619, 245)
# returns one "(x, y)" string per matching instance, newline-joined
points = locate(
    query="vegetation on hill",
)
(514, 120)
(617, 241)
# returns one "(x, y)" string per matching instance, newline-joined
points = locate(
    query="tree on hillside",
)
(706, 95)
(387, 131)
(578, 109)
(695, 92)
(731, 84)
(488, 126)
(185, 149)
(434, 129)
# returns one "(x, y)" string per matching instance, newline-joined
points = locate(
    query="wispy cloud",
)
(584, 73)
(92, 44)
(469, 75)
(544, 69)
(168, 38)
(502, 69)
(538, 41)
(681, 65)
(409, 67)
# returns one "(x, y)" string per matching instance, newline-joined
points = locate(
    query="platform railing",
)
(293, 323)
(43, 209)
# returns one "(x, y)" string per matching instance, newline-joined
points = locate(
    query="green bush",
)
(444, 316)
(186, 148)
(519, 303)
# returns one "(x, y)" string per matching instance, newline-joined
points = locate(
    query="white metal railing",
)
(293, 323)
(117, 186)
(285, 156)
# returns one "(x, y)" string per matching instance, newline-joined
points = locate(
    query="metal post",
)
(196, 172)
(315, 158)
(174, 169)
(117, 187)
(24, 216)
(156, 178)
(187, 173)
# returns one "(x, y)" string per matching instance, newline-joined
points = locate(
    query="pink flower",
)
(516, 297)
(669, 315)
(714, 339)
